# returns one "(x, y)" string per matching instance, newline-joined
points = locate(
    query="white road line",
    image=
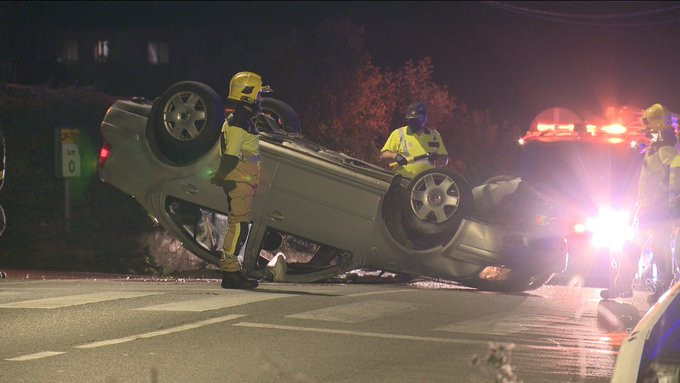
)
(416, 338)
(214, 303)
(167, 331)
(378, 292)
(73, 300)
(37, 355)
(355, 312)
(360, 333)
(485, 325)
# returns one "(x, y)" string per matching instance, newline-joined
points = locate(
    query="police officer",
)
(413, 147)
(653, 214)
(239, 172)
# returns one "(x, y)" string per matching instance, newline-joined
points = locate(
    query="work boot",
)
(236, 280)
(276, 268)
(617, 292)
(659, 289)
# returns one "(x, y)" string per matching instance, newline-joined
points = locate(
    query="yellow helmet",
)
(246, 87)
(657, 117)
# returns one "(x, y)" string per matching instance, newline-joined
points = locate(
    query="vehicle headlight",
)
(610, 229)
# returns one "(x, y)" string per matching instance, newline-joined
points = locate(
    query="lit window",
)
(69, 51)
(158, 53)
(101, 50)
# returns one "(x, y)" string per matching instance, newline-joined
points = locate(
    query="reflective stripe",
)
(231, 243)
(403, 141)
(223, 144)
(250, 157)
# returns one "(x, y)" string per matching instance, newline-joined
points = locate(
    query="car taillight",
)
(104, 154)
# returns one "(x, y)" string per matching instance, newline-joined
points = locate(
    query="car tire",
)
(515, 283)
(283, 115)
(185, 122)
(434, 204)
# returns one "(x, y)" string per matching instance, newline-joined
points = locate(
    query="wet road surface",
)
(105, 328)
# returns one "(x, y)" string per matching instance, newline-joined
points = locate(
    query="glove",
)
(433, 157)
(401, 160)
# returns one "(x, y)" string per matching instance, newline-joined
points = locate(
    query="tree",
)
(349, 104)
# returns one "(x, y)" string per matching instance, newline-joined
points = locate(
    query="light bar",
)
(614, 129)
(542, 127)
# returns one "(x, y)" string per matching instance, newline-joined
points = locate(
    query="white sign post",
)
(70, 166)
(70, 160)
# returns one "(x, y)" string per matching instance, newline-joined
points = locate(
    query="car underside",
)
(327, 212)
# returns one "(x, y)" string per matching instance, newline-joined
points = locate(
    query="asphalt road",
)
(107, 329)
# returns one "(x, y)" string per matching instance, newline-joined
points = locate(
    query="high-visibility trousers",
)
(239, 200)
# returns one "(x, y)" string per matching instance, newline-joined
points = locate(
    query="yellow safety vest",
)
(407, 143)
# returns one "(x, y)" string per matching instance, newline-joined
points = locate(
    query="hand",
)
(433, 157)
(401, 160)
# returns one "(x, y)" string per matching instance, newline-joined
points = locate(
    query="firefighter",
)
(413, 147)
(654, 218)
(239, 172)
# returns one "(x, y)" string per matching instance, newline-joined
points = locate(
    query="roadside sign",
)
(68, 155)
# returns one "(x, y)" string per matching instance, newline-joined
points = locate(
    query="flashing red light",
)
(614, 129)
(104, 154)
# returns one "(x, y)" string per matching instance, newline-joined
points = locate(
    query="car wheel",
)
(516, 282)
(283, 117)
(436, 201)
(186, 121)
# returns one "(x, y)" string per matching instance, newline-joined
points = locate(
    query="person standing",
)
(413, 147)
(654, 218)
(239, 173)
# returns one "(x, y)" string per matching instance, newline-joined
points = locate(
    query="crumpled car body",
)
(351, 214)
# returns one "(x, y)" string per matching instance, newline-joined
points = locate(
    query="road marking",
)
(355, 312)
(73, 300)
(360, 333)
(167, 331)
(484, 325)
(484, 343)
(37, 355)
(378, 292)
(214, 303)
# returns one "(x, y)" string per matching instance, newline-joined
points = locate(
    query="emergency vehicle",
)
(590, 169)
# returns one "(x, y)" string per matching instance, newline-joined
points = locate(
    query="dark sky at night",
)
(515, 63)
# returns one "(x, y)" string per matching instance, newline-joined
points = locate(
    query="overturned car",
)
(347, 213)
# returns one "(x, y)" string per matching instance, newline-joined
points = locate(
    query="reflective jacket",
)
(653, 190)
(237, 142)
(407, 143)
